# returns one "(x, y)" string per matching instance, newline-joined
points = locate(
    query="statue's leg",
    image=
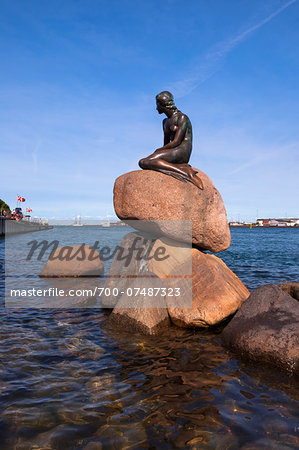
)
(147, 163)
(164, 160)
(157, 163)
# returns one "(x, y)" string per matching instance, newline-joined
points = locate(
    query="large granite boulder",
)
(201, 290)
(161, 257)
(217, 293)
(73, 261)
(266, 328)
(148, 195)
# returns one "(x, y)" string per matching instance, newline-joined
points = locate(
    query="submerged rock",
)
(73, 261)
(266, 328)
(148, 195)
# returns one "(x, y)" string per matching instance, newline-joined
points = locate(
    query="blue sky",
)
(78, 85)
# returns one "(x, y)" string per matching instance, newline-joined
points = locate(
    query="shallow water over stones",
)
(68, 380)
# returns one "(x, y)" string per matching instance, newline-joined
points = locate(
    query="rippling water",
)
(70, 381)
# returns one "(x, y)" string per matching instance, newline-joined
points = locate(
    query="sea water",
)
(69, 380)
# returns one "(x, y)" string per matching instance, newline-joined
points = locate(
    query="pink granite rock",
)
(154, 196)
(217, 293)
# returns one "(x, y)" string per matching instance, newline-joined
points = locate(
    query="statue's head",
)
(164, 100)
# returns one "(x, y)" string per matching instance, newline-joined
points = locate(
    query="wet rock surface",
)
(140, 313)
(266, 328)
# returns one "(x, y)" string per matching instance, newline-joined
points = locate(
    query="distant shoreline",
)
(264, 226)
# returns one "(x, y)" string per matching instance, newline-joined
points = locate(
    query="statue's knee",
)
(143, 163)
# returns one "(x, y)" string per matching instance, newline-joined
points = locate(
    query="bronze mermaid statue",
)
(172, 159)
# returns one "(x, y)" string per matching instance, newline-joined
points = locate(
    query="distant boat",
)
(77, 222)
(105, 224)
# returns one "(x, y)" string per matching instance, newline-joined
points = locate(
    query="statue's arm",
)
(166, 135)
(179, 135)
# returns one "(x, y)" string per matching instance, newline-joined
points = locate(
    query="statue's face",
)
(159, 107)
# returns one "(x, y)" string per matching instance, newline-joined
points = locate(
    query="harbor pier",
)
(9, 226)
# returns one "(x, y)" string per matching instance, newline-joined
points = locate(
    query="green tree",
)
(4, 206)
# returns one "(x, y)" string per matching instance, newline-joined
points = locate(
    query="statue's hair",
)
(166, 99)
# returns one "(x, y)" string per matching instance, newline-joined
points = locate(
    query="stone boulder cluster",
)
(262, 327)
(160, 204)
(175, 225)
